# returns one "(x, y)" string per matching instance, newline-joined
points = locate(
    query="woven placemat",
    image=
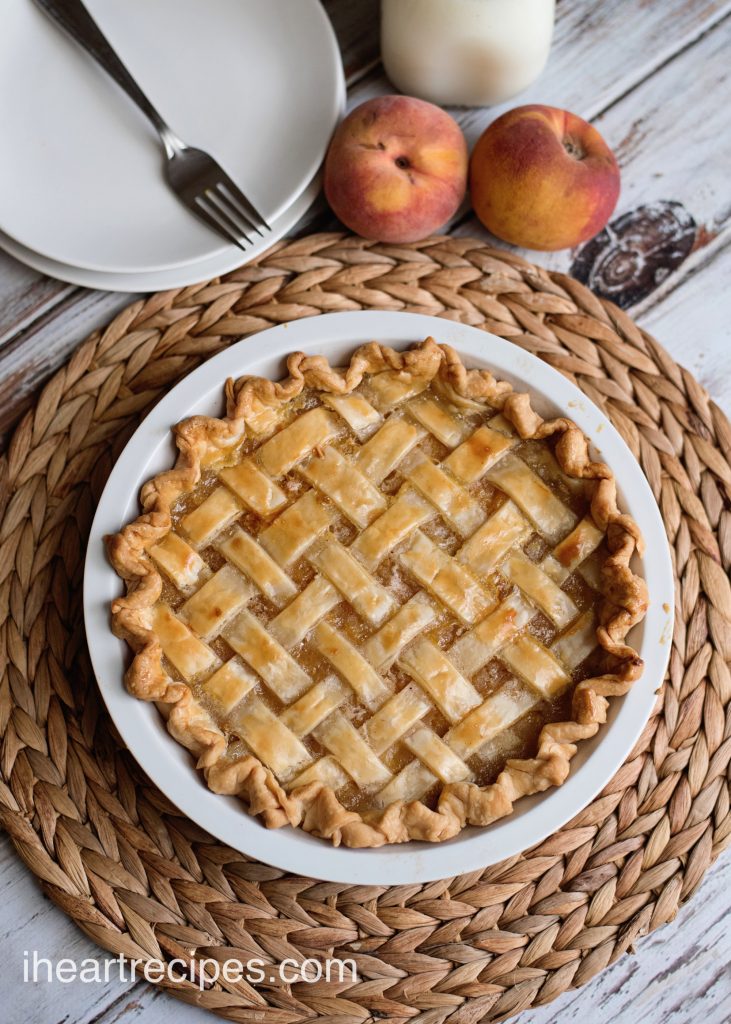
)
(142, 880)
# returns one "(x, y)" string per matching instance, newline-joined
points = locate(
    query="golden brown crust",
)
(315, 807)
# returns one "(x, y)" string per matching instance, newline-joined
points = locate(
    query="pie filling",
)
(380, 603)
(386, 593)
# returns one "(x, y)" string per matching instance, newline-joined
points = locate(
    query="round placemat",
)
(142, 880)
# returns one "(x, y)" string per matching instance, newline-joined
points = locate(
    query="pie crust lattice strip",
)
(351, 590)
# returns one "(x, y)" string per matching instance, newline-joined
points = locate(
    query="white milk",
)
(466, 52)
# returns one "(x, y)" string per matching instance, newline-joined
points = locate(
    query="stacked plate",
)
(259, 85)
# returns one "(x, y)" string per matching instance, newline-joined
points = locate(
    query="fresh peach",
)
(543, 178)
(396, 169)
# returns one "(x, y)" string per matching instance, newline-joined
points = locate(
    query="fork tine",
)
(210, 215)
(229, 212)
(235, 196)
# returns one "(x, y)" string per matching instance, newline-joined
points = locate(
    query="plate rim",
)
(291, 849)
(230, 258)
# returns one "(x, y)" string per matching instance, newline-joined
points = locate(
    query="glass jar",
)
(465, 52)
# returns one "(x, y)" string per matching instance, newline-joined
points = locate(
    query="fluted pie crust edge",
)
(202, 441)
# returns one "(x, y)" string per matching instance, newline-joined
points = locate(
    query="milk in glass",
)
(465, 52)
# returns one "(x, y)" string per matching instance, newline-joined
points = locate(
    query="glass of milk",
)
(465, 52)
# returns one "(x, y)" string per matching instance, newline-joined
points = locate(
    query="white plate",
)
(168, 764)
(177, 277)
(258, 84)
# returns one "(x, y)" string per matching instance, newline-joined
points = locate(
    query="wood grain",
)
(693, 321)
(653, 76)
(595, 63)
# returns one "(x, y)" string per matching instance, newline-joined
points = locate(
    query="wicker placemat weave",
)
(138, 878)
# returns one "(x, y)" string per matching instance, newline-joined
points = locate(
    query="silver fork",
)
(195, 177)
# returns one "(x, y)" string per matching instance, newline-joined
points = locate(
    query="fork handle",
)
(76, 20)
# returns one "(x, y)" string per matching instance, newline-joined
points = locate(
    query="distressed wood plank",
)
(594, 60)
(693, 323)
(30, 357)
(24, 295)
(356, 24)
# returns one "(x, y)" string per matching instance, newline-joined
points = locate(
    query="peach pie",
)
(380, 602)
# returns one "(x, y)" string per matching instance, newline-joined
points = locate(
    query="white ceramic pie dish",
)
(169, 765)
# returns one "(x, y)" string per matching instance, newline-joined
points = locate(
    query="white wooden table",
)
(653, 76)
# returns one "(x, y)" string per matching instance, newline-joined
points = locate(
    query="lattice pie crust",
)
(352, 593)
